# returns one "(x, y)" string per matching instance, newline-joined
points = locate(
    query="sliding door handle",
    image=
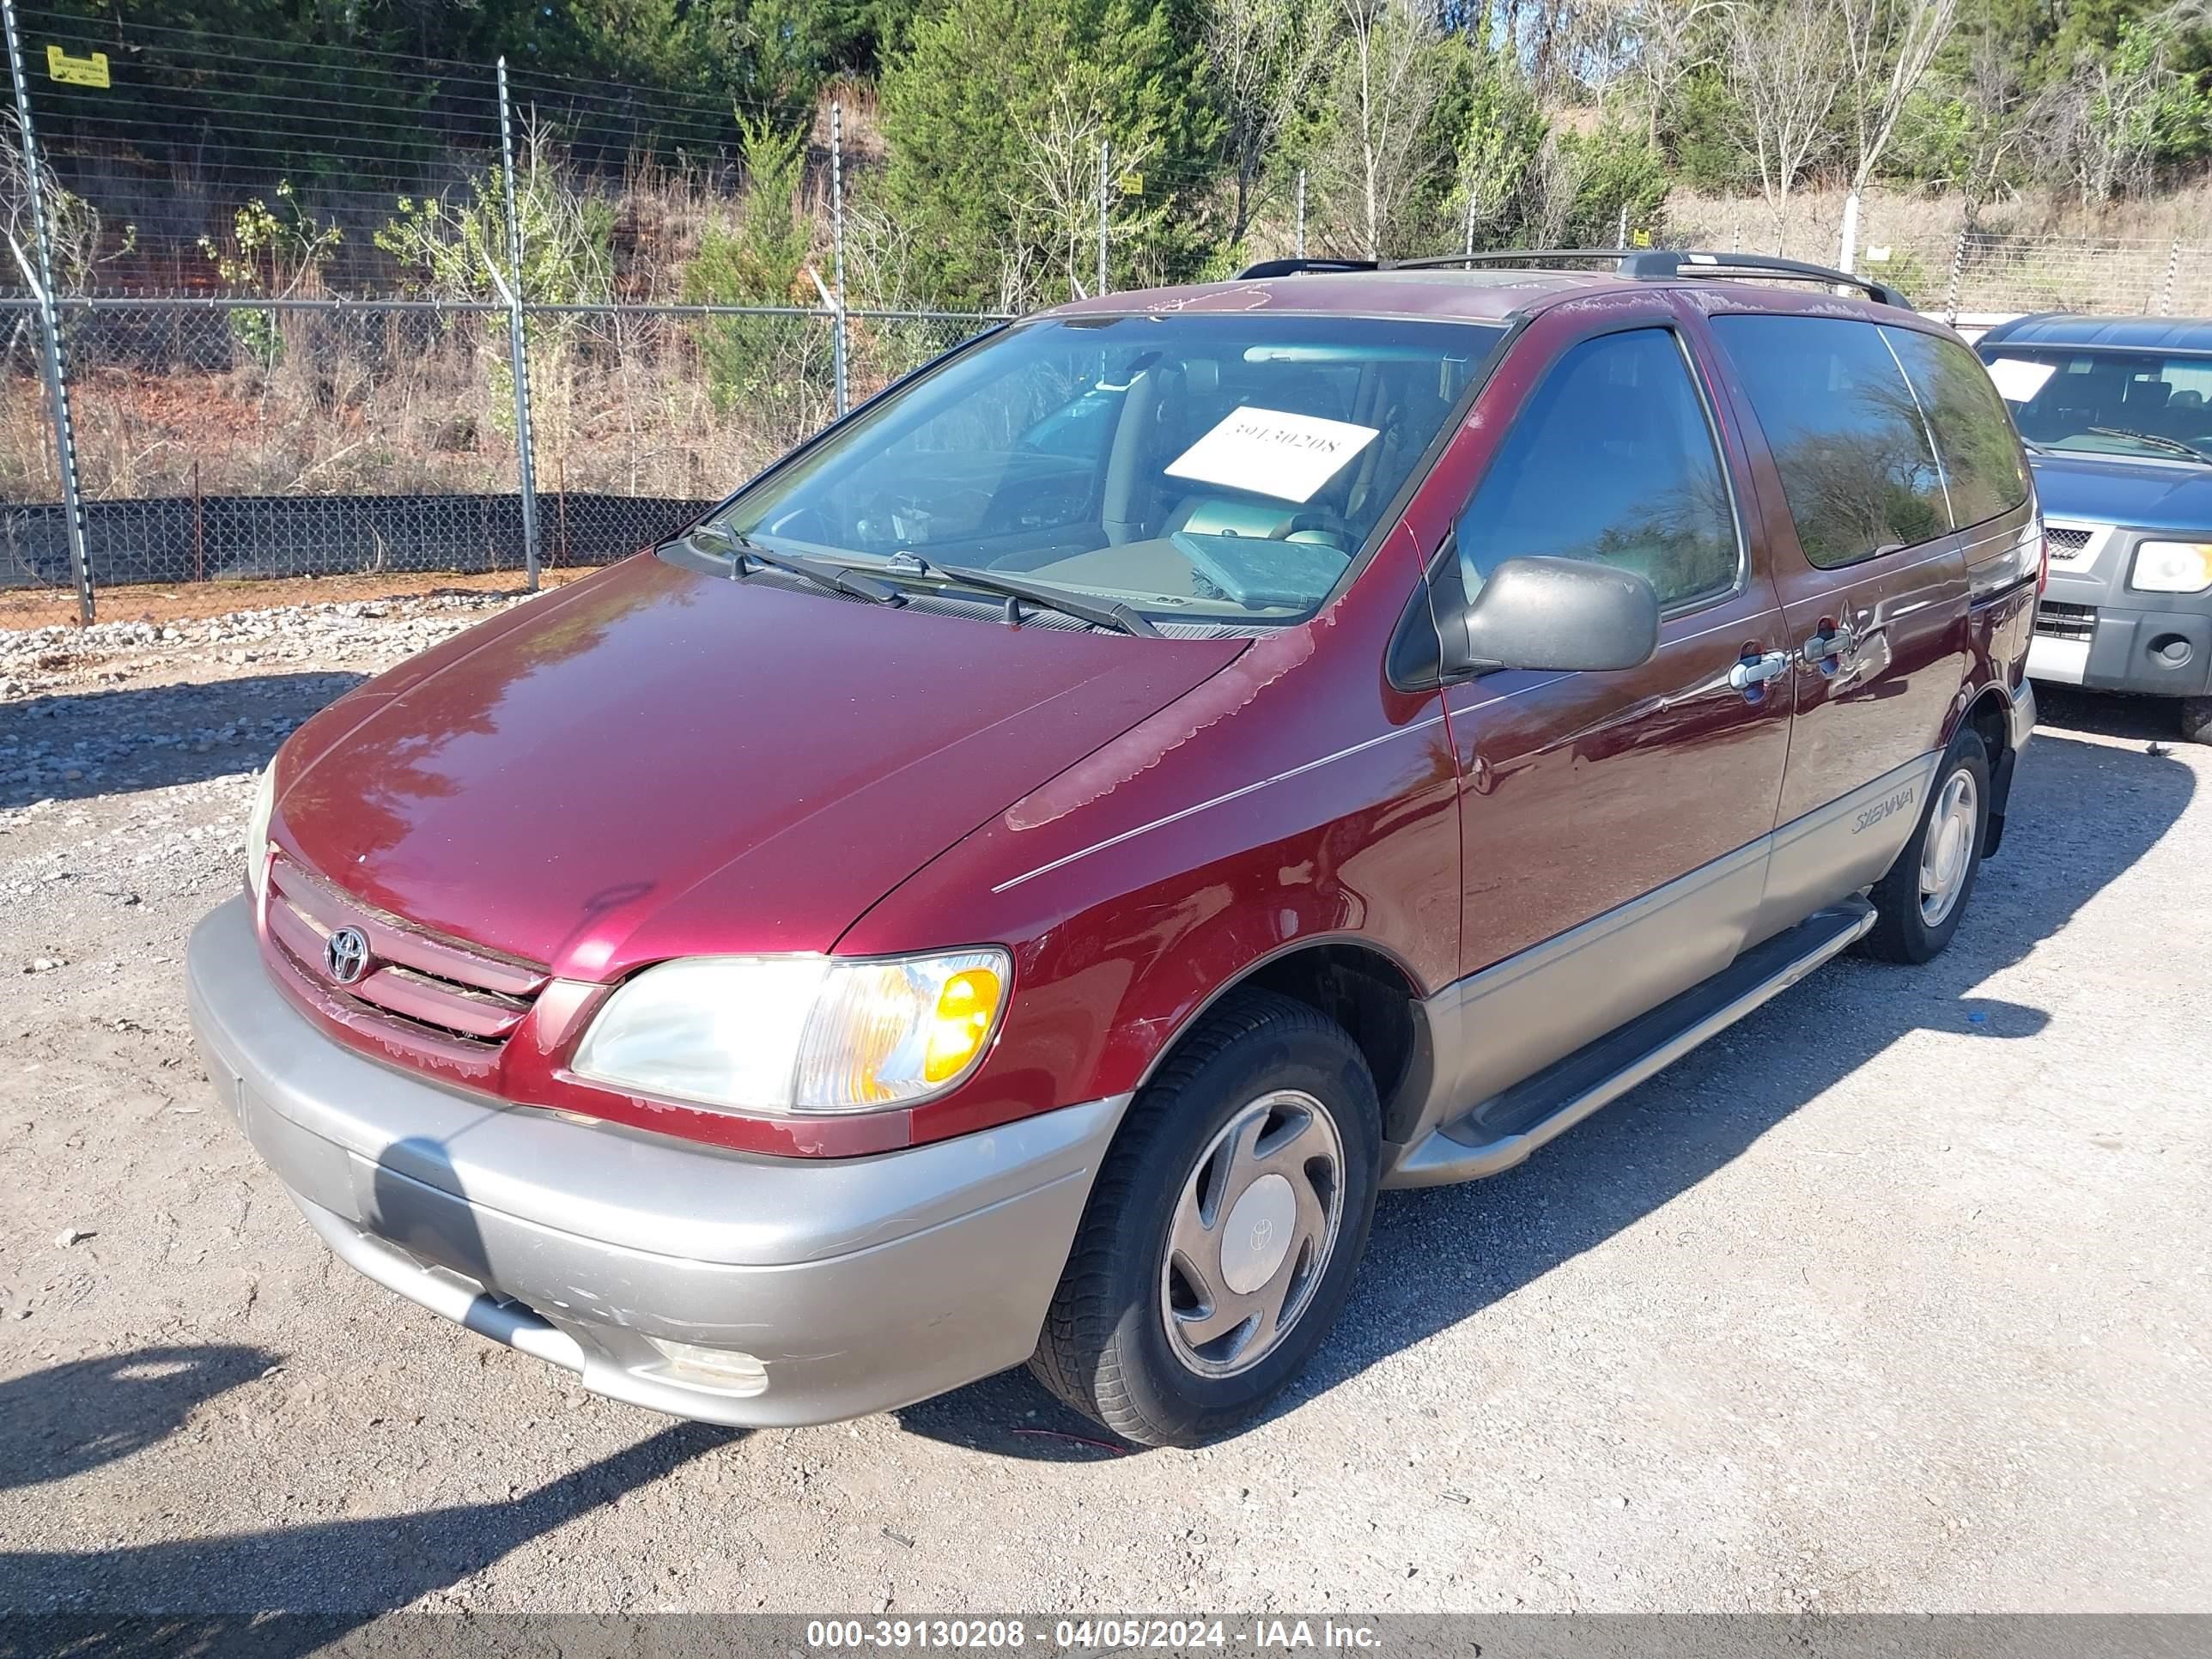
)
(1759, 670)
(1834, 640)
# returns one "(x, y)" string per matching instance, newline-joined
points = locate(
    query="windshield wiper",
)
(1106, 613)
(2157, 440)
(834, 577)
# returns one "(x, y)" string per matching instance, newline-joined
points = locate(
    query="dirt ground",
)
(151, 602)
(1894, 1298)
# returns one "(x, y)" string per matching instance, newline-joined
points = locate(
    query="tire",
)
(2196, 720)
(1143, 1335)
(1911, 924)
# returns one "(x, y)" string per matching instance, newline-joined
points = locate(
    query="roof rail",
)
(1667, 262)
(1657, 263)
(1302, 266)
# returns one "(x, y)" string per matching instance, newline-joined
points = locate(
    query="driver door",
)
(1615, 825)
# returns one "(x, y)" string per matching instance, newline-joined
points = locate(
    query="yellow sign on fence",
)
(78, 71)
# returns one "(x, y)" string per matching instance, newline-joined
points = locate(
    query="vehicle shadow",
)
(201, 1594)
(153, 737)
(2081, 813)
(65, 1419)
(2110, 713)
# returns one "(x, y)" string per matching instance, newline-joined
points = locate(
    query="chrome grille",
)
(2055, 620)
(454, 998)
(2071, 539)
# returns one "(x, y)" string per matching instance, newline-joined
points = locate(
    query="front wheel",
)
(1224, 1229)
(1918, 904)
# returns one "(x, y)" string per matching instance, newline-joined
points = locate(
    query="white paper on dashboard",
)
(1273, 453)
(2018, 380)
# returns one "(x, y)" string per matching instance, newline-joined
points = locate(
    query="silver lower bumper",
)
(857, 1284)
(2023, 708)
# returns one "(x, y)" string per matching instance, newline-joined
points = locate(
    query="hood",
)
(2142, 495)
(658, 762)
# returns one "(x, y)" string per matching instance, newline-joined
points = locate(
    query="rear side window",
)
(1611, 458)
(1856, 468)
(1982, 464)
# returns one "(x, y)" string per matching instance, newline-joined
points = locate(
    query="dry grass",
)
(174, 404)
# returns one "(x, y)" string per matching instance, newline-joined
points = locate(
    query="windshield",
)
(1209, 469)
(2146, 405)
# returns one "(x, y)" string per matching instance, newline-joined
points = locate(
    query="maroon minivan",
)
(1016, 879)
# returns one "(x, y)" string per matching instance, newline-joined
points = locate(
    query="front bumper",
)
(858, 1285)
(2159, 654)
(2092, 629)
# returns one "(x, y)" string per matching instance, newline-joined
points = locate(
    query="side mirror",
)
(1564, 614)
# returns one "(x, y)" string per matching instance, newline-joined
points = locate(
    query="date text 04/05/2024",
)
(1089, 1635)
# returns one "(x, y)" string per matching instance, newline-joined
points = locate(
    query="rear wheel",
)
(1919, 903)
(2196, 720)
(1224, 1230)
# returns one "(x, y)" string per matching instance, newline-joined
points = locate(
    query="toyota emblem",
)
(345, 953)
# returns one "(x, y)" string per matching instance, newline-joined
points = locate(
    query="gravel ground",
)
(1894, 1298)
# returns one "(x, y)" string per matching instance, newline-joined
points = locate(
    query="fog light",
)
(723, 1370)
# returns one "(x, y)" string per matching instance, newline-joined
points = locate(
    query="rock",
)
(69, 1235)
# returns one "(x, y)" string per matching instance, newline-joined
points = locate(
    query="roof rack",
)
(1653, 264)
(1300, 267)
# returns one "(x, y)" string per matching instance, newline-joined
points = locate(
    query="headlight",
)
(257, 828)
(2173, 567)
(799, 1033)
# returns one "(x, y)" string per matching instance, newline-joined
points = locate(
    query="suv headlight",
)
(799, 1033)
(2172, 567)
(257, 828)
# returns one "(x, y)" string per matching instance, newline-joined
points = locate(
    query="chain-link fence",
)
(179, 405)
(222, 439)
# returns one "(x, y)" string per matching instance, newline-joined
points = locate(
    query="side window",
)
(1847, 436)
(1982, 464)
(1611, 458)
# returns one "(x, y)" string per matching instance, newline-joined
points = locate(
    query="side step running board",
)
(1506, 1128)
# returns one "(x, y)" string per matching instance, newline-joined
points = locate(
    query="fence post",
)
(50, 326)
(518, 351)
(2172, 270)
(1300, 248)
(838, 347)
(1951, 287)
(1105, 148)
(1847, 240)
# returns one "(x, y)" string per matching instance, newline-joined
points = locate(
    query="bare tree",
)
(1263, 55)
(1557, 177)
(1991, 94)
(2109, 120)
(1887, 46)
(1782, 68)
(1375, 161)
(1674, 39)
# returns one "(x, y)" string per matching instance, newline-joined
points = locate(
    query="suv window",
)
(2103, 400)
(1611, 458)
(1858, 470)
(1983, 470)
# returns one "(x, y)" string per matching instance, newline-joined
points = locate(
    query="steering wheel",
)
(902, 517)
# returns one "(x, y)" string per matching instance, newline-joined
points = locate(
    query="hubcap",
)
(1252, 1233)
(1947, 851)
